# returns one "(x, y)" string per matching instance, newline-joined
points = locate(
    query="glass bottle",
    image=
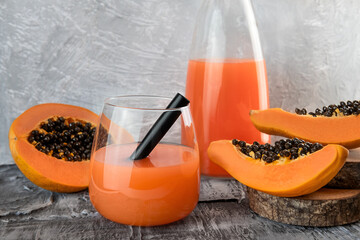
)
(226, 77)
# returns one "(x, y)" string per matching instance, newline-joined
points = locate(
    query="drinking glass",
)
(155, 190)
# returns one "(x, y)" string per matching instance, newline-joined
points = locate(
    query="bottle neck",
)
(226, 29)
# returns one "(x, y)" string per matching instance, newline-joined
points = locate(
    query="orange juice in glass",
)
(159, 189)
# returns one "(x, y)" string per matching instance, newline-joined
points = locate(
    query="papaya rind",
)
(238, 165)
(34, 176)
(27, 169)
(325, 130)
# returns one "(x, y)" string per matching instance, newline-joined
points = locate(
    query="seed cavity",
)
(290, 149)
(340, 110)
(68, 139)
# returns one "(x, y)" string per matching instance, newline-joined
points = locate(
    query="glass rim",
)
(108, 103)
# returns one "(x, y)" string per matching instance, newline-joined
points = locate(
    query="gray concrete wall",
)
(79, 52)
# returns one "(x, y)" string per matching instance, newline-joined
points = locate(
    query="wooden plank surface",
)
(28, 212)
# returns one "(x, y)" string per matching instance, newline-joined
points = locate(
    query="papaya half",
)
(342, 130)
(279, 174)
(51, 144)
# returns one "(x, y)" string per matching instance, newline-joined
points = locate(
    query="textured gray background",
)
(79, 52)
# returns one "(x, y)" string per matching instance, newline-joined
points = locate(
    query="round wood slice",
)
(323, 208)
(349, 176)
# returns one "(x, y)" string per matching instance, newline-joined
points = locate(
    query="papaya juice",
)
(159, 189)
(221, 94)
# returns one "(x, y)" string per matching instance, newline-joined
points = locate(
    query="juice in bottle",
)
(221, 93)
(159, 189)
(226, 77)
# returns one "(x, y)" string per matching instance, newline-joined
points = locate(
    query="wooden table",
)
(29, 212)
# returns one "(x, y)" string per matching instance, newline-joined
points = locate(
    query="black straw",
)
(160, 128)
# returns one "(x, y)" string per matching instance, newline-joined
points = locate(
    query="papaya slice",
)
(286, 178)
(342, 130)
(59, 172)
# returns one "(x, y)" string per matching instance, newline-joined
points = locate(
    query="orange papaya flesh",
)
(284, 178)
(342, 130)
(41, 168)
